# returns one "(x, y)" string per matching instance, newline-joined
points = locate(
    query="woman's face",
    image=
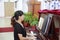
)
(21, 17)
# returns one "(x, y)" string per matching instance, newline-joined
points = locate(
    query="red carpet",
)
(7, 29)
(11, 29)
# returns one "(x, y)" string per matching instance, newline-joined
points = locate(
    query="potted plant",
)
(33, 21)
(27, 18)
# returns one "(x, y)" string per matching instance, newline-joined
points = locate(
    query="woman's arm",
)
(21, 37)
(26, 38)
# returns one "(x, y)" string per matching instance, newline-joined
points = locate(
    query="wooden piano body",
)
(47, 31)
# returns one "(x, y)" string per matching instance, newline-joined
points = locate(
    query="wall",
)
(21, 5)
(25, 6)
(1, 9)
(9, 9)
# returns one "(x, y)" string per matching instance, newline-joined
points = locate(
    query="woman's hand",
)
(31, 38)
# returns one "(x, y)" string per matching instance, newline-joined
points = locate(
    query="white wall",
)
(19, 5)
(44, 5)
(25, 6)
(8, 0)
(1, 9)
(22, 5)
(2, 14)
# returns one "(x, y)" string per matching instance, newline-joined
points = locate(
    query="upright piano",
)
(46, 28)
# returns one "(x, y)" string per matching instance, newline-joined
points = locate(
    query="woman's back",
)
(18, 29)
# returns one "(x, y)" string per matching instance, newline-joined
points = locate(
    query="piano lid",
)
(56, 12)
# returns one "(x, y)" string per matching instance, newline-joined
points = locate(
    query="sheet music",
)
(41, 20)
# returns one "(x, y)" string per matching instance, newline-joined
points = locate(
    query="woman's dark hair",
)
(16, 17)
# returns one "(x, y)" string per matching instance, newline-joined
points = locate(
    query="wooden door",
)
(37, 7)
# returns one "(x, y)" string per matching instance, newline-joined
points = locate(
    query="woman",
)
(19, 30)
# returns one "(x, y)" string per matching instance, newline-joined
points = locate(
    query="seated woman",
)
(19, 30)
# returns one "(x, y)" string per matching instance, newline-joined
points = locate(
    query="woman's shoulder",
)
(17, 24)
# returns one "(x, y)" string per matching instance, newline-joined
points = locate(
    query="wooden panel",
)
(32, 1)
(9, 8)
(36, 8)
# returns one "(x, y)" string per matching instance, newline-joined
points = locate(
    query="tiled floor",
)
(5, 22)
(7, 36)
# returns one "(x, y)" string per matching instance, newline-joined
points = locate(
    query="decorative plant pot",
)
(26, 24)
(33, 28)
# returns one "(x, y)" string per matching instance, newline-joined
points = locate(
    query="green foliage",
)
(31, 19)
(27, 16)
